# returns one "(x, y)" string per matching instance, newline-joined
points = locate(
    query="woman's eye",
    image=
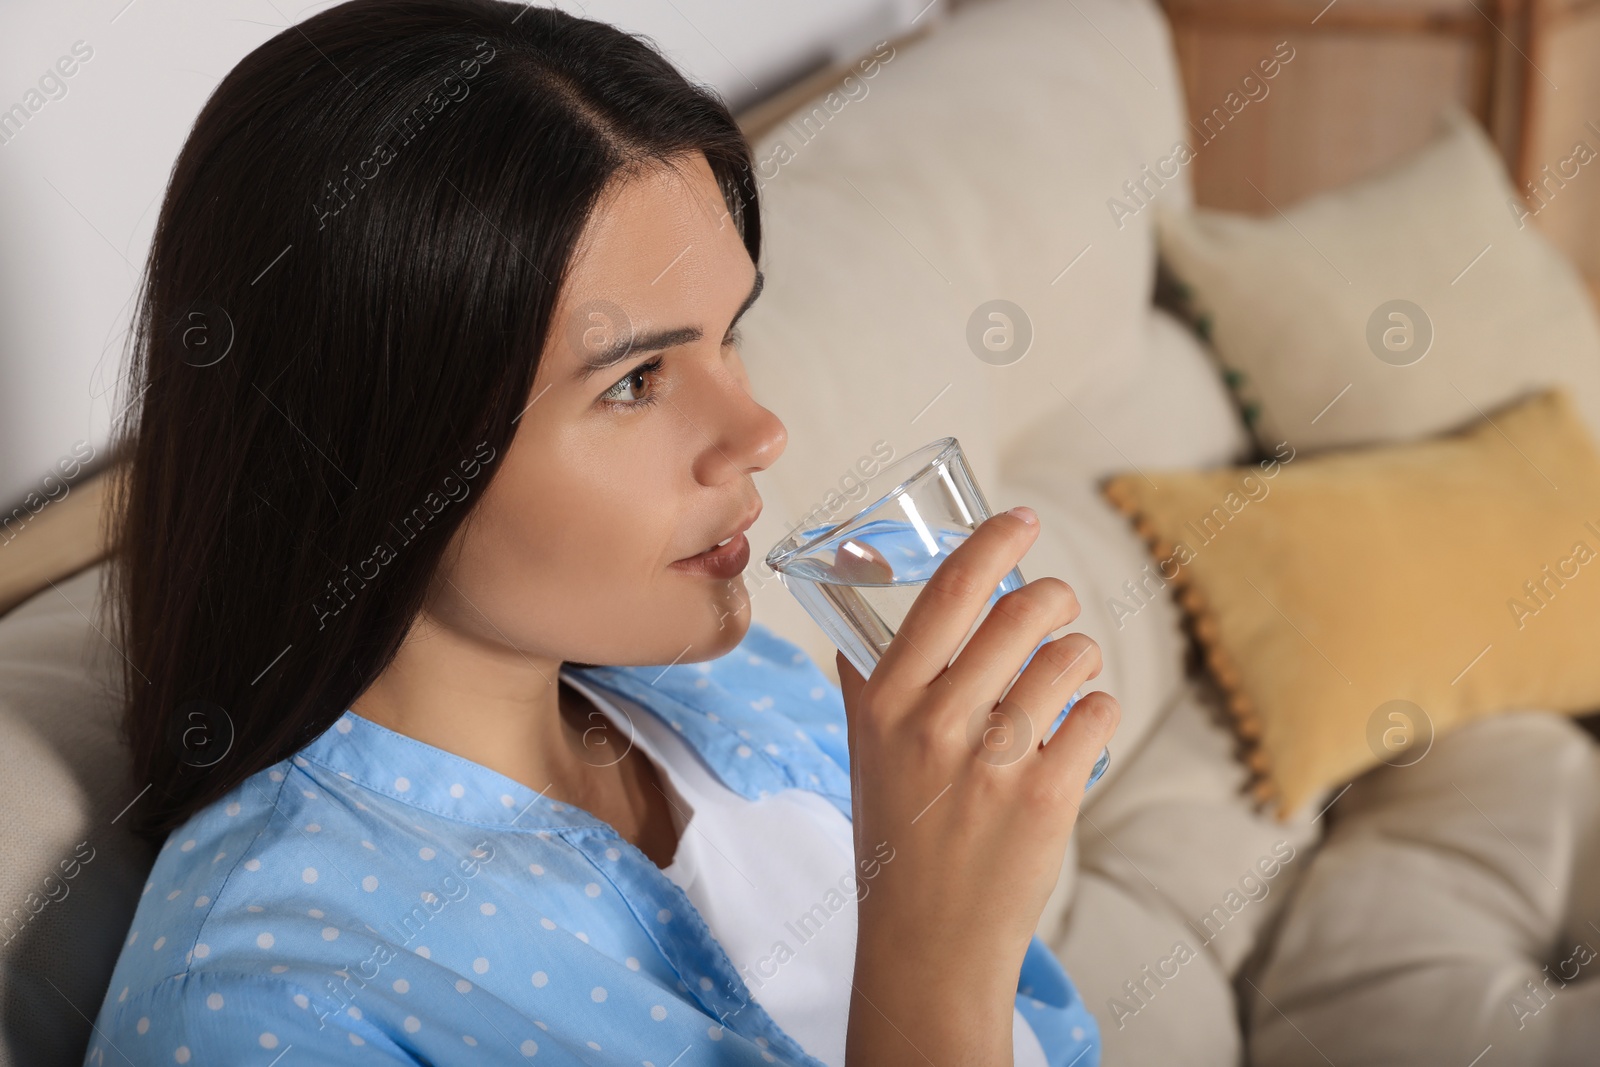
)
(619, 395)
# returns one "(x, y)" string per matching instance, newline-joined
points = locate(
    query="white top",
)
(776, 880)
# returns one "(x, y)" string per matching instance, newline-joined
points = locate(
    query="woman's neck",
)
(510, 712)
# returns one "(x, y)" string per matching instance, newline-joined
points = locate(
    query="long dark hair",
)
(353, 274)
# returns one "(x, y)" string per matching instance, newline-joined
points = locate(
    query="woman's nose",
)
(747, 437)
(774, 438)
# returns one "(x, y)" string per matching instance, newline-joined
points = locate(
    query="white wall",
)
(80, 182)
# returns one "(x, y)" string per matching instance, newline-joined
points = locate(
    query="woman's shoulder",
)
(271, 909)
(201, 937)
(192, 870)
(220, 852)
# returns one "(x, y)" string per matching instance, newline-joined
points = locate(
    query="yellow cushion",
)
(1354, 604)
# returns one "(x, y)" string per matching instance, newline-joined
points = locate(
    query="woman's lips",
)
(725, 562)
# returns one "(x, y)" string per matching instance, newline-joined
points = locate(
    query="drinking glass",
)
(858, 578)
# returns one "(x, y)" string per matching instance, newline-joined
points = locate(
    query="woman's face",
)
(615, 474)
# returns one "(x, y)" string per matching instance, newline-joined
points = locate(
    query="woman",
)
(462, 742)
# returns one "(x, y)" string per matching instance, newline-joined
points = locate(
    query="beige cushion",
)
(70, 873)
(921, 200)
(1170, 409)
(1441, 889)
(1290, 298)
(937, 192)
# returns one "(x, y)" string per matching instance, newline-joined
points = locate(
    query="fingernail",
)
(1024, 513)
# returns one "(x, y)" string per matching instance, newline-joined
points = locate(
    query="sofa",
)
(1385, 923)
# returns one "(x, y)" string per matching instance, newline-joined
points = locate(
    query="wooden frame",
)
(58, 542)
(763, 116)
(1440, 19)
(1510, 49)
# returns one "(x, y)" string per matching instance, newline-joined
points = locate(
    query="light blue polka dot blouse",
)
(378, 900)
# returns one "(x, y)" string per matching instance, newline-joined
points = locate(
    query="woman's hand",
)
(977, 841)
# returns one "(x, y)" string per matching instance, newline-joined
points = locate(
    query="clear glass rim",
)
(941, 448)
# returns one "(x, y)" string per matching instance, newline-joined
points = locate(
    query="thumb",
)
(850, 684)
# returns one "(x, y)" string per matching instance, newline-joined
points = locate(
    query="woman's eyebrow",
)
(654, 342)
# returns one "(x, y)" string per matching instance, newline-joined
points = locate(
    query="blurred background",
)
(84, 158)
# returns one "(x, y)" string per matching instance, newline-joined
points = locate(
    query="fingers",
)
(850, 681)
(1051, 677)
(1072, 750)
(943, 613)
(1011, 631)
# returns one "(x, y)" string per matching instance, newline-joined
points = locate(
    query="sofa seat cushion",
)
(1452, 906)
(1177, 878)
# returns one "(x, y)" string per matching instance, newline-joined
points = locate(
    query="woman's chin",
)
(727, 626)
